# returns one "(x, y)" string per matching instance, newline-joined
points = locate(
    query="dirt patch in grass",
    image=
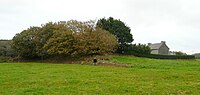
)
(112, 64)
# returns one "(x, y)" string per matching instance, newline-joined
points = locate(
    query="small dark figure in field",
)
(95, 61)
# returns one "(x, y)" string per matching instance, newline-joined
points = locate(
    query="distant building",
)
(197, 55)
(159, 48)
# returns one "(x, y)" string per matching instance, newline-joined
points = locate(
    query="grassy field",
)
(143, 77)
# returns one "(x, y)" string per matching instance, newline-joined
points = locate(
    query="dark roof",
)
(155, 46)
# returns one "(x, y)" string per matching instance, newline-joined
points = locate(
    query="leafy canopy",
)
(72, 38)
(119, 29)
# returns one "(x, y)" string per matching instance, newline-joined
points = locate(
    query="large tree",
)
(23, 43)
(90, 40)
(60, 43)
(119, 29)
(43, 35)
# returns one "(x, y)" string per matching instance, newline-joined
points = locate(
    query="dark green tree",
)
(138, 49)
(23, 43)
(119, 29)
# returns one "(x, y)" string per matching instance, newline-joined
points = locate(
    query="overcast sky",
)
(175, 21)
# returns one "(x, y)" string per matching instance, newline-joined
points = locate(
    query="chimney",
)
(163, 42)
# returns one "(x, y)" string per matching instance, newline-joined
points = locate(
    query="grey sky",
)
(174, 21)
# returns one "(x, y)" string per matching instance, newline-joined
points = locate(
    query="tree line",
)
(76, 38)
(71, 38)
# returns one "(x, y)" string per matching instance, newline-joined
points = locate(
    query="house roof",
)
(155, 46)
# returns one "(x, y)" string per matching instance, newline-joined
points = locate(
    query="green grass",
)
(143, 77)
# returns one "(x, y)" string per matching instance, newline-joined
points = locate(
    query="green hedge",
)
(156, 56)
